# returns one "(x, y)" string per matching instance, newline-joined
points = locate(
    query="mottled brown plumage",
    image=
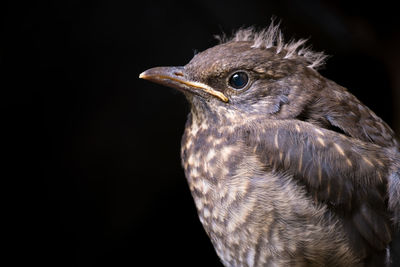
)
(290, 169)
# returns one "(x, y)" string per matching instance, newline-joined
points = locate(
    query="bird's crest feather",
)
(273, 37)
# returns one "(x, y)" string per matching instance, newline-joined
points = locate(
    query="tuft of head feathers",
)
(272, 37)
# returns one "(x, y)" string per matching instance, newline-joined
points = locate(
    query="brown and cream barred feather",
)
(290, 170)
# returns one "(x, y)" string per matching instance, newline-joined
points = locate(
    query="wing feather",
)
(348, 175)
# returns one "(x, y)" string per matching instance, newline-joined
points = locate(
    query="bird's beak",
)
(175, 77)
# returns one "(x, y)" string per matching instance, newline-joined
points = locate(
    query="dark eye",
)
(238, 80)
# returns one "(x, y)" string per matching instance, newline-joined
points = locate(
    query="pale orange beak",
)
(175, 77)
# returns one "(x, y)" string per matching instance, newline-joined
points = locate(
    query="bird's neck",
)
(215, 114)
(201, 111)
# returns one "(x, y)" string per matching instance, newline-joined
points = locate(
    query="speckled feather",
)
(292, 170)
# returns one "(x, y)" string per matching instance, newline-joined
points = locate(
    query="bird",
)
(286, 167)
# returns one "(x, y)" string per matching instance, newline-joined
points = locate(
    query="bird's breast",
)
(209, 158)
(230, 192)
(212, 160)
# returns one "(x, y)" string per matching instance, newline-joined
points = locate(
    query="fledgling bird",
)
(286, 167)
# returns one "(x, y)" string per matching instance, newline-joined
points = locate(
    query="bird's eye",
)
(238, 80)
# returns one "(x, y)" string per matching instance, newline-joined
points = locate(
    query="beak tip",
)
(142, 75)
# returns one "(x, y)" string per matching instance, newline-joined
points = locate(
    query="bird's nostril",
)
(178, 73)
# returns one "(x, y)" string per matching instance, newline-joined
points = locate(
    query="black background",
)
(92, 175)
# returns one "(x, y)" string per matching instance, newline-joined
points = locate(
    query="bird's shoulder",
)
(335, 108)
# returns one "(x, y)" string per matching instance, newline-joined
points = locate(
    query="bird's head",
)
(251, 74)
